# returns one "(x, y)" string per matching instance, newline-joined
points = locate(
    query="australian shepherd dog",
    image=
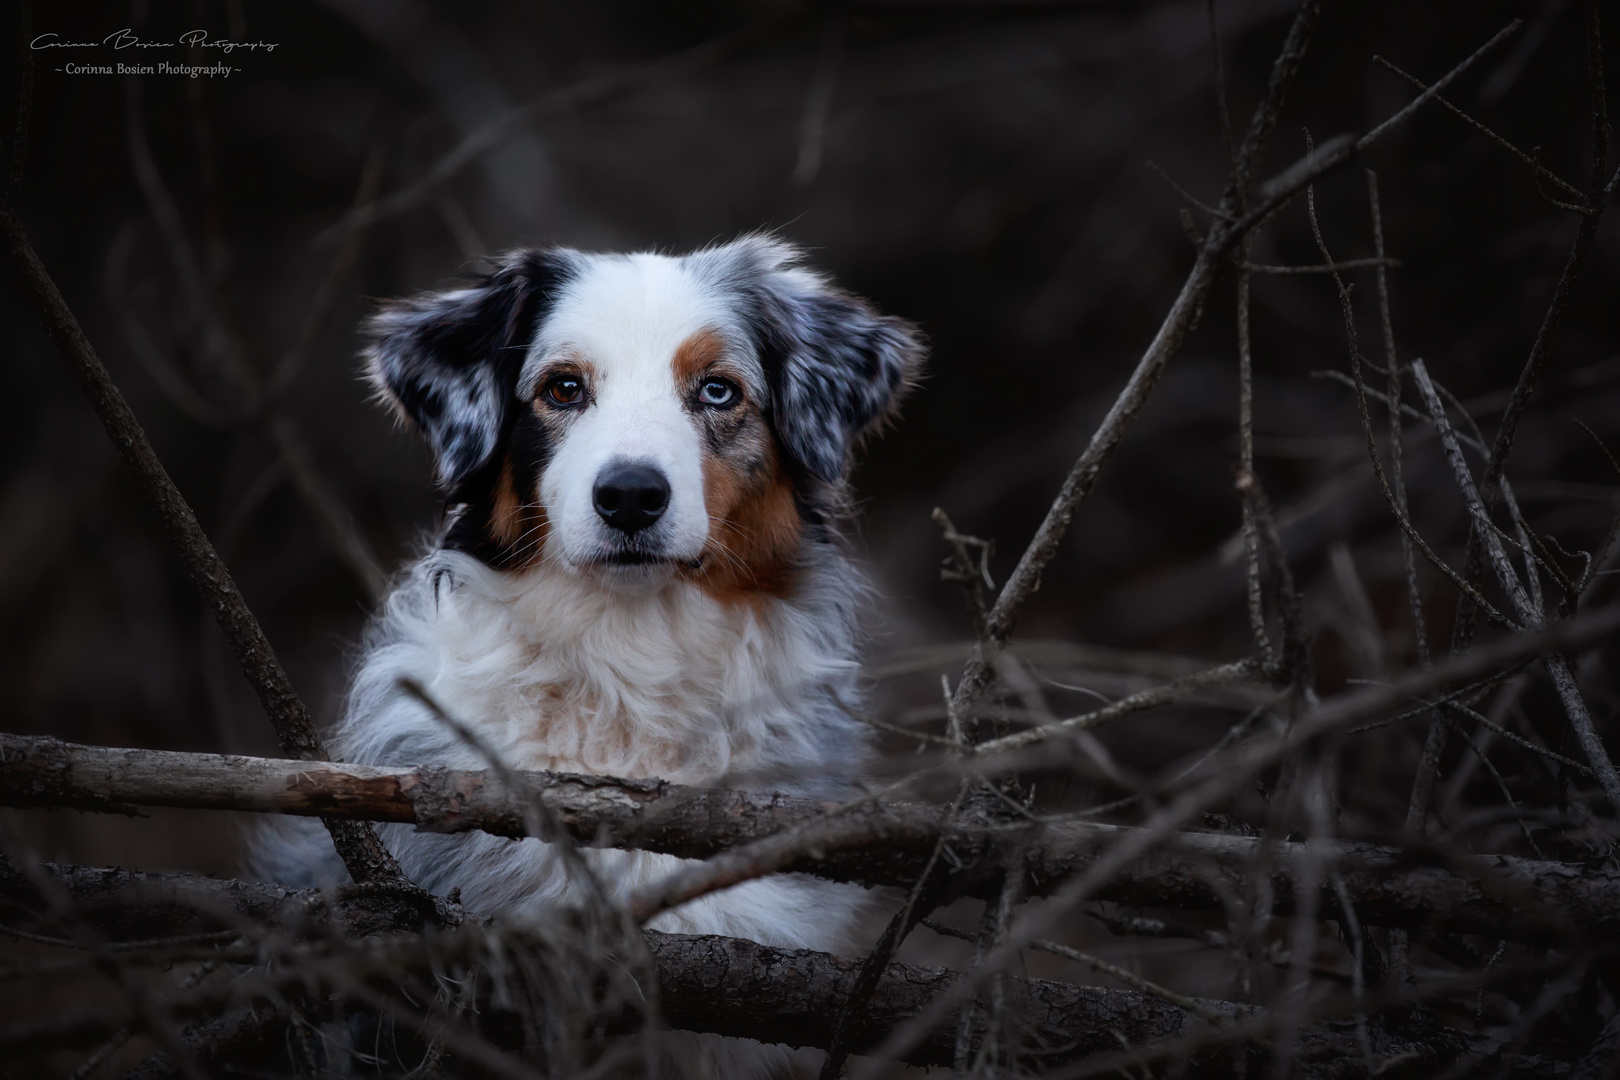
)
(644, 460)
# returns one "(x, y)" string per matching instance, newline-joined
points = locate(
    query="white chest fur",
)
(555, 673)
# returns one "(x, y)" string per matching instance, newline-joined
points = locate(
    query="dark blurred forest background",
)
(982, 168)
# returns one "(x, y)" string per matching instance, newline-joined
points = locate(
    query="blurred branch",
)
(362, 852)
(818, 103)
(256, 405)
(326, 295)
(1397, 450)
(596, 90)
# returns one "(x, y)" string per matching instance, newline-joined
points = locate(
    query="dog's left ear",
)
(837, 369)
(449, 361)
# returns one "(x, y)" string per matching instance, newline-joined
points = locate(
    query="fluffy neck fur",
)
(559, 672)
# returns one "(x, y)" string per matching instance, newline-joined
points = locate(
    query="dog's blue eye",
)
(717, 392)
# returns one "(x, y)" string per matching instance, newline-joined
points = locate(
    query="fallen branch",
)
(722, 985)
(880, 844)
(1227, 776)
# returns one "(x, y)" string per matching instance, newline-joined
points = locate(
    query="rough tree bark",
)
(1502, 897)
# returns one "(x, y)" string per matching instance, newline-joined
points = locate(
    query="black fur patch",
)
(450, 360)
(475, 500)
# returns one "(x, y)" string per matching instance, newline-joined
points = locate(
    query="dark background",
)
(976, 167)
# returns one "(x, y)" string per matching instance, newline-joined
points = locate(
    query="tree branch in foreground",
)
(714, 984)
(1504, 897)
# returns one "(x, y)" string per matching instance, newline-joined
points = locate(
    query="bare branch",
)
(1274, 194)
(1540, 170)
(1328, 718)
(716, 984)
(885, 844)
(1574, 263)
(362, 852)
(1530, 615)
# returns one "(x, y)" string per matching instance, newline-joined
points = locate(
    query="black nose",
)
(631, 497)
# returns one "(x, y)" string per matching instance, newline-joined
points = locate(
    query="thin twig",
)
(1532, 617)
(1585, 233)
(1380, 263)
(920, 903)
(1175, 185)
(1401, 517)
(1445, 80)
(1251, 534)
(1539, 169)
(1145, 699)
(1328, 718)
(1025, 578)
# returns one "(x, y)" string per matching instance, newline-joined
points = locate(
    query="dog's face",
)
(642, 418)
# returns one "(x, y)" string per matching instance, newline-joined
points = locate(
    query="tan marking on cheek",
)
(516, 519)
(506, 509)
(754, 524)
(696, 355)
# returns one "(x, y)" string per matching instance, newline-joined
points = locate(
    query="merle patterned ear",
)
(449, 361)
(837, 368)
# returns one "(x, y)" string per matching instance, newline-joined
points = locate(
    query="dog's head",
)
(643, 417)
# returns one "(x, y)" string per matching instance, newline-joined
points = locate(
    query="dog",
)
(640, 573)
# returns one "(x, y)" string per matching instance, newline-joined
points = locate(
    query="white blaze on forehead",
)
(626, 315)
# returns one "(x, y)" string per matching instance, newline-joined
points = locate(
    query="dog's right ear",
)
(449, 361)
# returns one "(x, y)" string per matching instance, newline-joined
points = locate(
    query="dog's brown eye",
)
(565, 390)
(718, 393)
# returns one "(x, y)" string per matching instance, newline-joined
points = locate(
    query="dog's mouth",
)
(646, 558)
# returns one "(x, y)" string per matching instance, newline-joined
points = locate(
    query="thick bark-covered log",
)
(247, 1035)
(722, 985)
(1499, 896)
(129, 905)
